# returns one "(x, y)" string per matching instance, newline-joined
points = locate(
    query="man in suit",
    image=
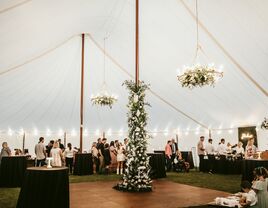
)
(174, 149)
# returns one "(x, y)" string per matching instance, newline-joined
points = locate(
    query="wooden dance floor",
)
(165, 194)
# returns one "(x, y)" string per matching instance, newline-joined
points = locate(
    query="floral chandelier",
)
(103, 98)
(264, 124)
(199, 75)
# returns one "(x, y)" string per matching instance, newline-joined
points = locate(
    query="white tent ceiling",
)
(40, 57)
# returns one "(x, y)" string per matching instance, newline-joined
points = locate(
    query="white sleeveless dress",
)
(55, 154)
(120, 155)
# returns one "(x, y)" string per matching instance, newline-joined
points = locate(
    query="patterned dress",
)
(262, 193)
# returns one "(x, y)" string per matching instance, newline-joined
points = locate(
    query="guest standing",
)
(69, 157)
(168, 154)
(56, 154)
(260, 186)
(49, 147)
(107, 158)
(201, 153)
(239, 150)
(120, 159)
(210, 153)
(95, 157)
(125, 145)
(251, 149)
(222, 149)
(98, 144)
(40, 152)
(5, 151)
(174, 148)
(113, 154)
(61, 146)
(101, 154)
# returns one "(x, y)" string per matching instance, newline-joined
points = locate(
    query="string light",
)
(10, 132)
(35, 132)
(109, 132)
(97, 132)
(48, 133)
(120, 132)
(60, 132)
(85, 132)
(73, 132)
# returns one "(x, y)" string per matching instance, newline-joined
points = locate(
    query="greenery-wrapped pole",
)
(136, 177)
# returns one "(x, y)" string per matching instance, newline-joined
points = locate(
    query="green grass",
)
(8, 197)
(228, 183)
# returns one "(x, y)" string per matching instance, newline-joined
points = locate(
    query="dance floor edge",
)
(165, 194)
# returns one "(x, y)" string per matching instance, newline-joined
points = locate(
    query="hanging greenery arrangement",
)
(136, 177)
(199, 76)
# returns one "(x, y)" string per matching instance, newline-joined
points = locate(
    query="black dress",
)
(107, 156)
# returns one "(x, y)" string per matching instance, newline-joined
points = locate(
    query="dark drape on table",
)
(12, 171)
(83, 164)
(157, 162)
(249, 165)
(224, 166)
(44, 188)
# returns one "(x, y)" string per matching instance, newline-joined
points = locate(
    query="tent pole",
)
(23, 142)
(64, 139)
(209, 133)
(137, 44)
(103, 134)
(82, 94)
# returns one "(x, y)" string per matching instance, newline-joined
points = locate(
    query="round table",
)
(45, 187)
(83, 164)
(12, 171)
(249, 165)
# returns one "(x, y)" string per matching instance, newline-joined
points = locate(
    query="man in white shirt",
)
(201, 153)
(222, 149)
(210, 153)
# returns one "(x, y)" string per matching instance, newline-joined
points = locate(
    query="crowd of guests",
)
(109, 157)
(223, 151)
(106, 157)
(174, 160)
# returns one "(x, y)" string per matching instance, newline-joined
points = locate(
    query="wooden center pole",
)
(23, 142)
(82, 94)
(64, 139)
(137, 44)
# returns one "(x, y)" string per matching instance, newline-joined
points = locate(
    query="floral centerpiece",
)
(264, 124)
(136, 177)
(199, 76)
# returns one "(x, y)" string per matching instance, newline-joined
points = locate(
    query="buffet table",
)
(12, 171)
(158, 165)
(44, 187)
(83, 164)
(224, 166)
(249, 165)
